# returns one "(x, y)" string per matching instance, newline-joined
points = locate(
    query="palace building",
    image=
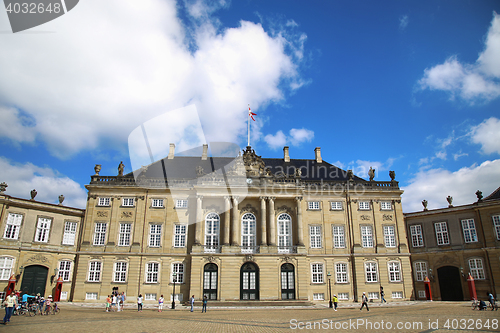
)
(241, 228)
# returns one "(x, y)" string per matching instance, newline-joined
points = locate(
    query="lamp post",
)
(173, 296)
(330, 290)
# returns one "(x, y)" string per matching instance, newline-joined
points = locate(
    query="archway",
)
(450, 284)
(210, 281)
(249, 282)
(34, 280)
(287, 281)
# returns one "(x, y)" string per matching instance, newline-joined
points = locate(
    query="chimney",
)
(286, 155)
(317, 152)
(204, 155)
(171, 152)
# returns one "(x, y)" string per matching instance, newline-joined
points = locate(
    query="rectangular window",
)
(94, 271)
(64, 295)
(179, 235)
(313, 205)
(417, 239)
(152, 272)
(13, 226)
(150, 297)
(69, 233)
(421, 294)
(476, 269)
(315, 236)
(42, 230)
(120, 271)
(496, 223)
(367, 235)
(385, 205)
(124, 235)
(338, 237)
(128, 202)
(343, 296)
(318, 296)
(420, 270)
(341, 273)
(157, 203)
(469, 229)
(371, 272)
(394, 272)
(100, 233)
(103, 201)
(397, 294)
(91, 296)
(178, 297)
(389, 236)
(336, 205)
(64, 270)
(364, 205)
(6, 264)
(317, 273)
(442, 233)
(373, 295)
(155, 235)
(178, 271)
(181, 203)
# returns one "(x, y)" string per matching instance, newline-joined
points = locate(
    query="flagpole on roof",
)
(250, 115)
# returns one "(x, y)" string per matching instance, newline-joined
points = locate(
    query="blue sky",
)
(407, 86)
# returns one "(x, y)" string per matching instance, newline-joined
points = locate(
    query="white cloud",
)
(298, 136)
(22, 178)
(458, 155)
(403, 22)
(275, 141)
(487, 134)
(113, 65)
(471, 82)
(434, 185)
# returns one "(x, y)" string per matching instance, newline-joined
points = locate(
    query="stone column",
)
(199, 220)
(227, 219)
(236, 222)
(300, 231)
(263, 240)
(272, 223)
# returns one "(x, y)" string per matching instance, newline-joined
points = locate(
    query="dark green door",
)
(287, 282)
(34, 280)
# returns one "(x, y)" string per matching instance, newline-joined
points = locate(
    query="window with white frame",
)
(180, 235)
(421, 294)
(284, 233)
(420, 270)
(341, 272)
(212, 224)
(120, 271)
(373, 295)
(124, 234)
(371, 271)
(103, 201)
(149, 297)
(155, 235)
(343, 296)
(336, 205)
(441, 233)
(385, 205)
(417, 239)
(152, 269)
(100, 233)
(178, 297)
(367, 235)
(313, 205)
(394, 271)
(364, 205)
(178, 271)
(315, 236)
(496, 224)
(317, 273)
(64, 270)
(469, 229)
(128, 202)
(397, 294)
(64, 295)
(91, 296)
(389, 236)
(157, 203)
(476, 268)
(182, 203)
(43, 230)
(94, 271)
(318, 296)
(13, 226)
(6, 264)
(69, 233)
(338, 237)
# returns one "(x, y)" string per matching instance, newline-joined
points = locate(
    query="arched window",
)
(284, 233)
(212, 224)
(248, 231)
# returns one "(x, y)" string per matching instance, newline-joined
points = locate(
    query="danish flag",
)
(251, 114)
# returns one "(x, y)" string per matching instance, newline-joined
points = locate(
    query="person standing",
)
(382, 299)
(491, 299)
(118, 301)
(122, 298)
(364, 301)
(10, 303)
(139, 303)
(108, 303)
(205, 300)
(160, 304)
(335, 302)
(192, 303)
(113, 302)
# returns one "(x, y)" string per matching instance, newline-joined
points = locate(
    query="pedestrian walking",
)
(139, 303)
(491, 299)
(335, 302)
(382, 299)
(192, 303)
(108, 303)
(10, 303)
(364, 301)
(205, 299)
(160, 304)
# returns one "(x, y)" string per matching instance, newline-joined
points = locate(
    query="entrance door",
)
(249, 282)
(450, 284)
(34, 280)
(210, 281)
(287, 282)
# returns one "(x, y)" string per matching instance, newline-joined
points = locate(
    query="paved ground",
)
(399, 317)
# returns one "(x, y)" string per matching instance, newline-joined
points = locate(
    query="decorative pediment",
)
(211, 259)
(387, 217)
(287, 259)
(364, 217)
(447, 260)
(249, 257)
(101, 213)
(248, 209)
(212, 208)
(126, 215)
(284, 209)
(38, 258)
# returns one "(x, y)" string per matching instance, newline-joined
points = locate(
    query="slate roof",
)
(493, 196)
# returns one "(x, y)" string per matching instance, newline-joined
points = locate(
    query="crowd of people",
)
(17, 302)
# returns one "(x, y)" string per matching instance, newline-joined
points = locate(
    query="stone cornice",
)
(41, 206)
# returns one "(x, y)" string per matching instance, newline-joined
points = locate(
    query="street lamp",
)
(330, 289)
(173, 296)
